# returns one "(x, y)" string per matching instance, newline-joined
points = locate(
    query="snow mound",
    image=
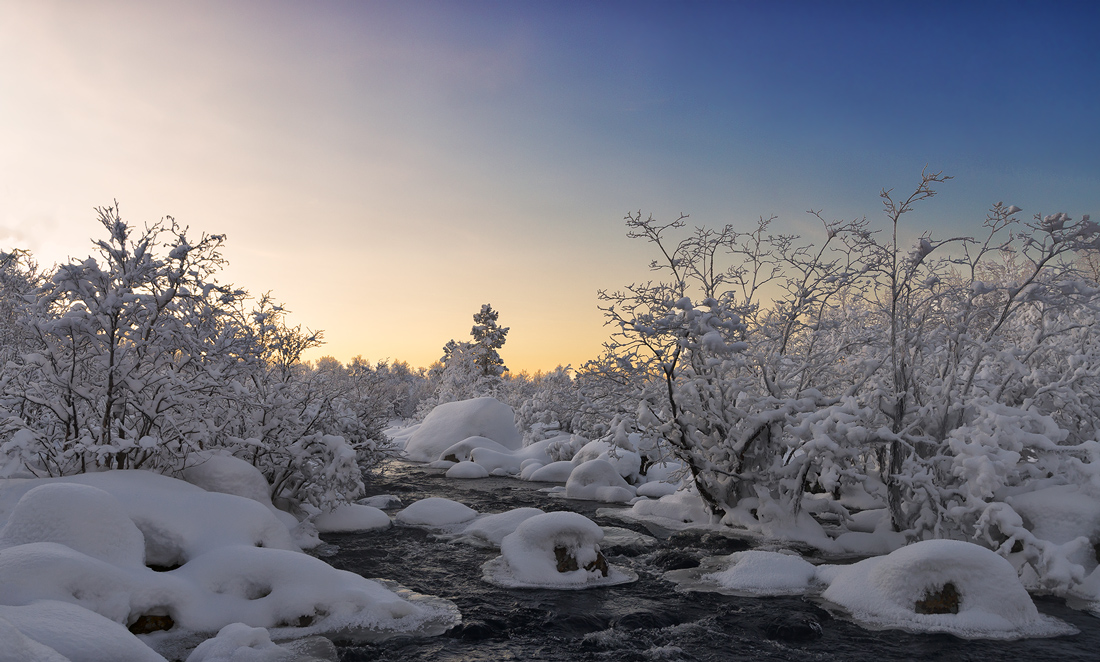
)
(237, 642)
(435, 512)
(627, 463)
(555, 472)
(884, 592)
(228, 475)
(467, 469)
(85, 637)
(352, 517)
(554, 550)
(81, 517)
(18, 647)
(383, 501)
(751, 573)
(490, 530)
(674, 511)
(461, 451)
(598, 480)
(452, 422)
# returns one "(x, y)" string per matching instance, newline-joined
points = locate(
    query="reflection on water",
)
(645, 620)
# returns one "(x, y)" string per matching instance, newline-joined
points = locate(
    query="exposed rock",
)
(568, 563)
(147, 623)
(943, 601)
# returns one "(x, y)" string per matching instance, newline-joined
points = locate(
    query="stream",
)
(644, 620)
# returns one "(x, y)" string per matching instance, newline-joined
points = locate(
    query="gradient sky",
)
(384, 168)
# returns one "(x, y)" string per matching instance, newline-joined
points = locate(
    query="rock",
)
(943, 601)
(568, 563)
(147, 623)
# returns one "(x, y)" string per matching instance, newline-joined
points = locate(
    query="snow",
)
(881, 592)
(752, 573)
(627, 462)
(72, 553)
(383, 501)
(490, 530)
(237, 642)
(674, 510)
(467, 469)
(598, 480)
(435, 512)
(227, 474)
(85, 636)
(528, 558)
(461, 451)
(555, 472)
(81, 517)
(18, 647)
(352, 517)
(657, 489)
(452, 422)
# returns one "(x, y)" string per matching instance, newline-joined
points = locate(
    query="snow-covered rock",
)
(77, 634)
(18, 647)
(467, 469)
(554, 550)
(555, 472)
(674, 510)
(452, 422)
(627, 463)
(238, 642)
(490, 530)
(352, 517)
(382, 501)
(598, 480)
(227, 474)
(461, 451)
(435, 512)
(884, 592)
(81, 517)
(758, 572)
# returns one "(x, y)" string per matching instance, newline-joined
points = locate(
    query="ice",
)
(82, 517)
(598, 480)
(882, 592)
(467, 469)
(435, 512)
(531, 555)
(352, 517)
(453, 422)
(78, 634)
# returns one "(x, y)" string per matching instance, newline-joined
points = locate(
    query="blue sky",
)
(385, 168)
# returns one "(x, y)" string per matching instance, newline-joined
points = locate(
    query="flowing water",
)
(645, 620)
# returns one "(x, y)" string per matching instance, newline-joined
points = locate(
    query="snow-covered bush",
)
(138, 358)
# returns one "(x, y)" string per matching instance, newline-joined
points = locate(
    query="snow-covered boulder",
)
(461, 451)
(81, 517)
(382, 501)
(352, 517)
(627, 462)
(755, 572)
(435, 512)
(77, 634)
(238, 642)
(467, 469)
(452, 422)
(598, 480)
(18, 647)
(554, 550)
(674, 510)
(555, 472)
(227, 474)
(490, 530)
(940, 586)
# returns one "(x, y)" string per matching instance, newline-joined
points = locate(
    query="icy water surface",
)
(646, 620)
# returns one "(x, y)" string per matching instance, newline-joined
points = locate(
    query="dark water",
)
(645, 620)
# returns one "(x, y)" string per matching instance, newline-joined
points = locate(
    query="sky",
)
(385, 168)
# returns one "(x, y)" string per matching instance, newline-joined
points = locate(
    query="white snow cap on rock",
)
(352, 517)
(490, 530)
(238, 642)
(532, 554)
(81, 517)
(452, 422)
(85, 637)
(883, 592)
(598, 480)
(760, 572)
(435, 512)
(467, 469)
